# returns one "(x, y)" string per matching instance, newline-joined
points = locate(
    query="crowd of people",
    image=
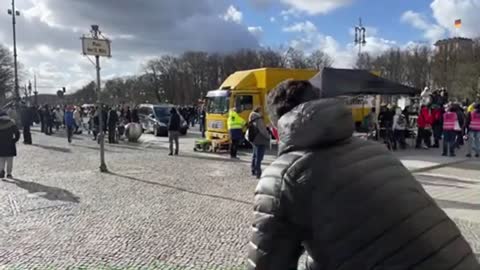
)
(439, 120)
(73, 120)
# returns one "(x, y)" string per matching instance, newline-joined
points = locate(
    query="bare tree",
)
(295, 59)
(319, 60)
(417, 69)
(364, 61)
(6, 73)
(270, 58)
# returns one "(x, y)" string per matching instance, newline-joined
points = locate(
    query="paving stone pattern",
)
(151, 212)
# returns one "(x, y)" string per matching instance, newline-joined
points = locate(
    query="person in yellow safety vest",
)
(235, 125)
(471, 108)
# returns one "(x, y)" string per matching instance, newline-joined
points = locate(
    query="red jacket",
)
(424, 118)
(437, 115)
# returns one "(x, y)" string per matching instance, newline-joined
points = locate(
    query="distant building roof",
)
(452, 40)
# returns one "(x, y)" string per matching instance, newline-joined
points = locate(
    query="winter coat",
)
(437, 116)
(59, 116)
(69, 119)
(262, 135)
(9, 135)
(174, 122)
(348, 202)
(112, 118)
(424, 118)
(78, 118)
(135, 118)
(27, 116)
(385, 118)
(399, 121)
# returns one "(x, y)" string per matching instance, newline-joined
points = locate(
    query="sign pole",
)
(101, 134)
(103, 165)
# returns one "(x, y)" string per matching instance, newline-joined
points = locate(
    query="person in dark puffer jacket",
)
(348, 203)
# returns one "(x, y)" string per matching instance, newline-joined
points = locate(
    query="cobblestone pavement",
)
(151, 212)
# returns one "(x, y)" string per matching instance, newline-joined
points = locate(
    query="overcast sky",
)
(48, 31)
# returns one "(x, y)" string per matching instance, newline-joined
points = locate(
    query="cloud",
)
(48, 33)
(431, 31)
(233, 15)
(290, 12)
(303, 27)
(313, 7)
(344, 56)
(257, 31)
(272, 19)
(446, 12)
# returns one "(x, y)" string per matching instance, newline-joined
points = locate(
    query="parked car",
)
(154, 119)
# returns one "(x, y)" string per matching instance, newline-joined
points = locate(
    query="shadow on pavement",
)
(127, 145)
(49, 193)
(458, 205)
(53, 148)
(429, 183)
(97, 148)
(447, 179)
(470, 164)
(221, 159)
(180, 189)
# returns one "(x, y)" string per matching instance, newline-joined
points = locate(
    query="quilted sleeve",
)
(274, 243)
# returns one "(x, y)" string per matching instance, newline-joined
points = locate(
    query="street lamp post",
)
(14, 14)
(360, 36)
(97, 47)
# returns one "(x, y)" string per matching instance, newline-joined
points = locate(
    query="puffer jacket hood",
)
(314, 124)
(254, 115)
(6, 122)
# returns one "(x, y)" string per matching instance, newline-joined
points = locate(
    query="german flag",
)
(458, 23)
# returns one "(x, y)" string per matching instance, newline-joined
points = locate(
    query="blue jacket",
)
(69, 120)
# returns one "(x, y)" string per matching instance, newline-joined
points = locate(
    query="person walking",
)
(95, 120)
(451, 127)
(128, 115)
(235, 125)
(70, 122)
(27, 120)
(424, 124)
(112, 125)
(457, 108)
(385, 122)
(202, 120)
(173, 130)
(9, 136)
(347, 203)
(78, 119)
(437, 118)
(48, 119)
(259, 139)
(59, 118)
(41, 116)
(399, 129)
(473, 131)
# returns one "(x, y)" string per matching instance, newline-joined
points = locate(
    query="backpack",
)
(251, 131)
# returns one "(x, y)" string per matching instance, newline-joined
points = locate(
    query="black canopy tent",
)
(353, 82)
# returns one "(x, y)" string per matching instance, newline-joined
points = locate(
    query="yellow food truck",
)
(244, 90)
